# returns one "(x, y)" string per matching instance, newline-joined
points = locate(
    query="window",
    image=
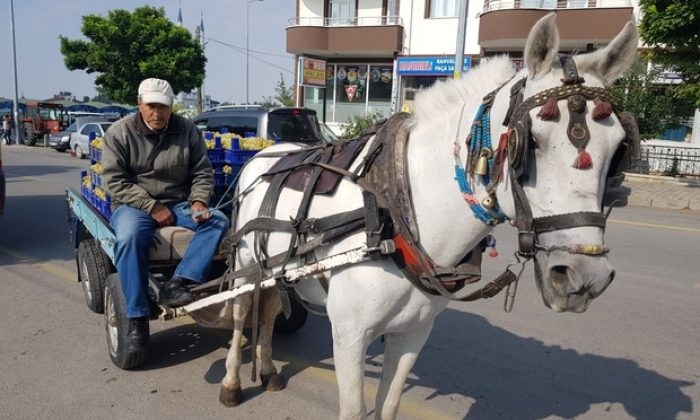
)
(392, 12)
(343, 12)
(443, 8)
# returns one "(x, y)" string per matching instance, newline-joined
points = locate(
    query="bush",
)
(359, 123)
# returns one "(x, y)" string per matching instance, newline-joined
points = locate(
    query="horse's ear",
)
(542, 45)
(610, 62)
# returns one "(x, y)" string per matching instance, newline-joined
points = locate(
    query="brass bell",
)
(482, 163)
(488, 203)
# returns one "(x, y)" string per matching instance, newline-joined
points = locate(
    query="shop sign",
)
(429, 66)
(313, 72)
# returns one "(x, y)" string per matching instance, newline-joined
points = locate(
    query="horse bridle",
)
(515, 142)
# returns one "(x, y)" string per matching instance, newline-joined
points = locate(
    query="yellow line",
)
(324, 372)
(654, 225)
(50, 267)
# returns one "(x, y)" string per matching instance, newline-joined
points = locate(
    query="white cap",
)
(156, 91)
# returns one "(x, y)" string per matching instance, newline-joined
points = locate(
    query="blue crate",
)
(95, 154)
(95, 179)
(238, 157)
(216, 156)
(105, 207)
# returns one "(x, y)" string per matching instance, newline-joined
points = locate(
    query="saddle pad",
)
(300, 166)
(170, 243)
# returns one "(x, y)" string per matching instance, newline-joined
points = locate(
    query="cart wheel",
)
(117, 326)
(296, 320)
(93, 268)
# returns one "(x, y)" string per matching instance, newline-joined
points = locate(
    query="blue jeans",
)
(134, 230)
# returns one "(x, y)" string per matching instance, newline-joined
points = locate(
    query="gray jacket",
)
(141, 167)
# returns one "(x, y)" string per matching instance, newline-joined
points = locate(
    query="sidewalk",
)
(660, 192)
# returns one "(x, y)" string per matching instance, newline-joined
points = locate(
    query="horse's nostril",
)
(560, 278)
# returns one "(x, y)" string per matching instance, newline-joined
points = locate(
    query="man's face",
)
(155, 115)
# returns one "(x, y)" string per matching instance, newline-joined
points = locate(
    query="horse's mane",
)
(441, 98)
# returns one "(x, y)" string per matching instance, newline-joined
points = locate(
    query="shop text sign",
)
(313, 72)
(429, 66)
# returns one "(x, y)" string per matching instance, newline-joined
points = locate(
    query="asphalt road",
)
(632, 355)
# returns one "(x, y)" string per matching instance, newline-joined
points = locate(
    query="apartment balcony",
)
(505, 24)
(346, 37)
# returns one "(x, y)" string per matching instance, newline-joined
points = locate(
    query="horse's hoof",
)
(230, 397)
(272, 382)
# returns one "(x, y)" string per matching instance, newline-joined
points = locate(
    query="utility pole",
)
(461, 35)
(200, 97)
(15, 105)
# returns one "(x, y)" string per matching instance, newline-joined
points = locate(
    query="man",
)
(6, 129)
(156, 170)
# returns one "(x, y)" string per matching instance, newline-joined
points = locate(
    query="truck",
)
(40, 120)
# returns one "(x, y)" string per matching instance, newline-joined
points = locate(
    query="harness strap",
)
(569, 220)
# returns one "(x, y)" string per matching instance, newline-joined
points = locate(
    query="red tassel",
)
(493, 253)
(583, 160)
(549, 111)
(602, 110)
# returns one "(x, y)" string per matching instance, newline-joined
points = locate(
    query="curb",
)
(660, 192)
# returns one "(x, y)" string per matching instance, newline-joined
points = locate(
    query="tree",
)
(652, 103)
(672, 29)
(284, 97)
(126, 48)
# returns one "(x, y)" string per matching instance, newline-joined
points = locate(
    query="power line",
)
(243, 51)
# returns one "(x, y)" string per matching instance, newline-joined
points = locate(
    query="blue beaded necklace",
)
(479, 138)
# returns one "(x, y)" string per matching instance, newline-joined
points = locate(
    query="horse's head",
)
(563, 131)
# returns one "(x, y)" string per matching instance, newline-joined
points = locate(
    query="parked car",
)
(286, 124)
(61, 141)
(80, 140)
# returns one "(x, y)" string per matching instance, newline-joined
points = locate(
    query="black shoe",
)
(175, 294)
(137, 338)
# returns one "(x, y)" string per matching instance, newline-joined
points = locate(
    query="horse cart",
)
(93, 239)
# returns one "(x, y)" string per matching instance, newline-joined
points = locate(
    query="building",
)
(378, 53)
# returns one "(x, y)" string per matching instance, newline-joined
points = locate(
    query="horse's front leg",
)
(400, 354)
(271, 307)
(349, 350)
(231, 393)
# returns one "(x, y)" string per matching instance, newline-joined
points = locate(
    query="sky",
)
(41, 72)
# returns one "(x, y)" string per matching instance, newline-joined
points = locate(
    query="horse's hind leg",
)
(230, 393)
(401, 352)
(271, 307)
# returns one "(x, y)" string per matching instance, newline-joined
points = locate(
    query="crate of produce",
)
(216, 156)
(238, 157)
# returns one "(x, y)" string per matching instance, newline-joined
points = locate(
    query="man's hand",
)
(200, 212)
(162, 215)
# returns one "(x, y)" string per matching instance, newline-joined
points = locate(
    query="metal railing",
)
(553, 4)
(346, 21)
(669, 160)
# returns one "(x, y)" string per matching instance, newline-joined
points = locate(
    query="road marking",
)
(50, 267)
(326, 373)
(322, 372)
(654, 225)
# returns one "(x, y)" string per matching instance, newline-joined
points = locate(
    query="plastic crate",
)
(219, 179)
(104, 207)
(238, 157)
(95, 179)
(95, 154)
(216, 155)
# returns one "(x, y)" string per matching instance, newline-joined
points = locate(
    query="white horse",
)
(560, 186)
